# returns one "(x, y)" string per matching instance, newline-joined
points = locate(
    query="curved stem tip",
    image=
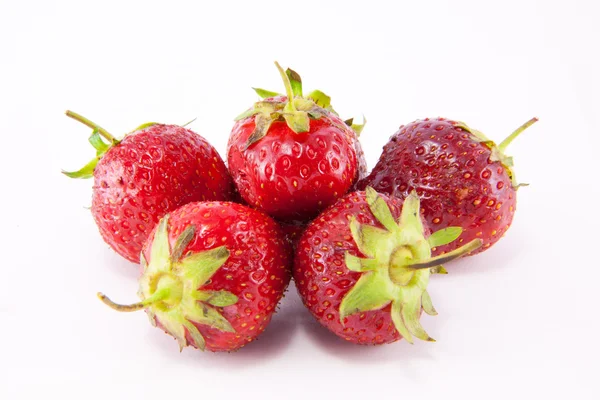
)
(91, 124)
(502, 146)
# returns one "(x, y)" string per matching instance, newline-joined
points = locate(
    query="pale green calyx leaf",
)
(320, 99)
(498, 151)
(411, 212)
(368, 294)
(444, 236)
(357, 128)
(295, 82)
(297, 111)
(262, 123)
(96, 141)
(265, 94)
(427, 304)
(221, 298)
(144, 126)
(397, 266)
(380, 210)
(171, 288)
(358, 264)
(87, 171)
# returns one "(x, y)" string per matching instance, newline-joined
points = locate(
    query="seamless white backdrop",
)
(520, 320)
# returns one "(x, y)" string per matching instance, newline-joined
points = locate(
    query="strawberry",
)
(292, 156)
(463, 178)
(213, 273)
(362, 267)
(151, 171)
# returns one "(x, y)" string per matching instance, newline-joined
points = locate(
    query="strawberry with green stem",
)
(213, 273)
(151, 171)
(362, 267)
(463, 178)
(292, 156)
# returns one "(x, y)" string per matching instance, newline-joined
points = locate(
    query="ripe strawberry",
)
(213, 273)
(362, 267)
(462, 178)
(151, 171)
(292, 156)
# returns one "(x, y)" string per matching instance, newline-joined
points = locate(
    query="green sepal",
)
(144, 126)
(160, 251)
(308, 106)
(84, 173)
(367, 237)
(320, 99)
(220, 298)
(399, 324)
(189, 122)
(397, 267)
(197, 337)
(380, 210)
(298, 121)
(406, 321)
(357, 128)
(265, 94)
(197, 268)
(171, 287)
(371, 292)
(358, 264)
(444, 236)
(96, 141)
(204, 314)
(248, 113)
(411, 210)
(439, 269)
(182, 242)
(427, 304)
(498, 151)
(262, 123)
(295, 81)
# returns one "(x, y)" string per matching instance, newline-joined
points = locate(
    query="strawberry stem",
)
(159, 295)
(502, 146)
(444, 258)
(92, 125)
(288, 87)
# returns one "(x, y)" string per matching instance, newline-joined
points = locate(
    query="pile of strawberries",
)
(218, 243)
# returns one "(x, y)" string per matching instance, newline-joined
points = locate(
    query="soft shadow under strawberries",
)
(275, 339)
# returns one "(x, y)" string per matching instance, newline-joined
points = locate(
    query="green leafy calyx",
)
(295, 109)
(101, 140)
(98, 140)
(171, 288)
(397, 265)
(498, 151)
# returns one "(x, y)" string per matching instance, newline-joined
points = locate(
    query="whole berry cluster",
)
(218, 244)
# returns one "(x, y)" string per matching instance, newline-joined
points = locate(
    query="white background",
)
(520, 320)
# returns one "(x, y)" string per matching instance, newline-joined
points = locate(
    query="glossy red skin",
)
(454, 177)
(149, 173)
(292, 175)
(322, 278)
(257, 270)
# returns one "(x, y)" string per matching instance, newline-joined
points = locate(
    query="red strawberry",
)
(213, 275)
(151, 171)
(292, 158)
(462, 178)
(362, 267)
